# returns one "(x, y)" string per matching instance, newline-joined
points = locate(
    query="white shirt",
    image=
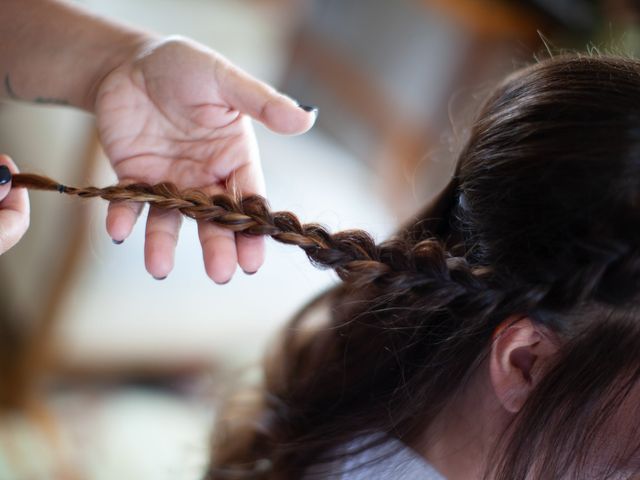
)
(389, 460)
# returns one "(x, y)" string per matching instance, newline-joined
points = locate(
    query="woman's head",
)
(549, 201)
(523, 277)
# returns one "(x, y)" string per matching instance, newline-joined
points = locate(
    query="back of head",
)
(549, 184)
(541, 218)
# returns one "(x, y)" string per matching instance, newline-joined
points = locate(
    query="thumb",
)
(263, 103)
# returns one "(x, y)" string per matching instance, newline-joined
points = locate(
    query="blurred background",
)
(106, 373)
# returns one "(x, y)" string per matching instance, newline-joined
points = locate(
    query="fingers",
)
(14, 207)
(251, 250)
(222, 249)
(121, 217)
(261, 102)
(218, 251)
(161, 239)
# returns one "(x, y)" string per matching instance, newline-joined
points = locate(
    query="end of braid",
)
(35, 182)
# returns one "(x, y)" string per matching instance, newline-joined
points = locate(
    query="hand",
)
(14, 207)
(177, 111)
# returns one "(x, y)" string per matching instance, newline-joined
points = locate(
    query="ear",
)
(520, 352)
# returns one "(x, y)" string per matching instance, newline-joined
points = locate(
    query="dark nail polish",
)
(117, 242)
(309, 108)
(5, 174)
(160, 278)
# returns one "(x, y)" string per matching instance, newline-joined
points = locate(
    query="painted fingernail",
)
(161, 278)
(250, 273)
(117, 242)
(309, 108)
(5, 174)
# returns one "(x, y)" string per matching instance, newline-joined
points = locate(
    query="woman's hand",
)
(167, 110)
(14, 207)
(177, 111)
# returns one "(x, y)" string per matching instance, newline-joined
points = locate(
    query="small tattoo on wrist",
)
(41, 100)
(50, 101)
(9, 89)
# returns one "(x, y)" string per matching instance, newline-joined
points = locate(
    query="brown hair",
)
(541, 218)
(351, 253)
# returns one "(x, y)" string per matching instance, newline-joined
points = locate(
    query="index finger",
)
(249, 95)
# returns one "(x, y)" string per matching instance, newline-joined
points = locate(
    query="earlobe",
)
(519, 352)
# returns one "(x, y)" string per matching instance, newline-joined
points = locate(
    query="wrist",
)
(124, 49)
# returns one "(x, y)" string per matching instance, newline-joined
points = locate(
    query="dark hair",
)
(542, 218)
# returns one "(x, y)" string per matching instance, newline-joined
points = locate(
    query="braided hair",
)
(542, 217)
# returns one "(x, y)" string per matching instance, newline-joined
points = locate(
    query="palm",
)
(171, 115)
(157, 125)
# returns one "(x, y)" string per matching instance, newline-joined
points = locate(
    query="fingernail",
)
(161, 278)
(250, 273)
(5, 174)
(117, 242)
(309, 108)
(223, 283)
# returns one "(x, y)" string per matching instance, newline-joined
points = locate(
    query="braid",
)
(353, 254)
(397, 265)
